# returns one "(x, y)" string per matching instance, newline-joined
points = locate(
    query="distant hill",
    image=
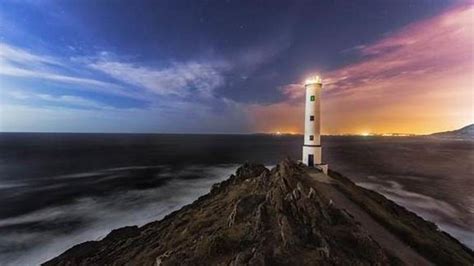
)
(466, 132)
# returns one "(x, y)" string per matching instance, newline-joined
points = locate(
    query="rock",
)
(160, 259)
(312, 193)
(242, 258)
(122, 233)
(258, 259)
(244, 207)
(250, 170)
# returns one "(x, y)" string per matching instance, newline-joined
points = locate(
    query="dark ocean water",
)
(57, 190)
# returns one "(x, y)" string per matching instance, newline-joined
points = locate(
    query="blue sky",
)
(177, 66)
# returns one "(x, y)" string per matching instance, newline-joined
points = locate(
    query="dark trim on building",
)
(314, 146)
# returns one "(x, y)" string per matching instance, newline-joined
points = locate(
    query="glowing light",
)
(283, 133)
(365, 134)
(313, 80)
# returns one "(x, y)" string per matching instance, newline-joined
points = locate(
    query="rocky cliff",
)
(290, 215)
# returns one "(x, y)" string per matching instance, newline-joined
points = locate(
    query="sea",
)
(58, 189)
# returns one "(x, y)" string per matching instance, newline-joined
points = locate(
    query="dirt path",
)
(385, 238)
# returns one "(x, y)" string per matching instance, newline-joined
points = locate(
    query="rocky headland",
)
(289, 215)
(465, 133)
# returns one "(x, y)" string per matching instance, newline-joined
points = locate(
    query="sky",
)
(235, 66)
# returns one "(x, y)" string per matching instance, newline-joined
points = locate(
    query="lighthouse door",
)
(310, 160)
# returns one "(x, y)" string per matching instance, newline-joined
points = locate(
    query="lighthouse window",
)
(311, 137)
(312, 98)
(311, 118)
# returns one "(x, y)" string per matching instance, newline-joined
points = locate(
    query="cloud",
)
(293, 91)
(418, 79)
(168, 91)
(66, 100)
(73, 100)
(14, 71)
(261, 52)
(425, 48)
(18, 62)
(179, 79)
(195, 77)
(16, 55)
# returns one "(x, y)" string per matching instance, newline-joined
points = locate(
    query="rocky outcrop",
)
(466, 132)
(256, 217)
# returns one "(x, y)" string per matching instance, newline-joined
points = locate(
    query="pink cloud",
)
(418, 79)
(420, 49)
(293, 91)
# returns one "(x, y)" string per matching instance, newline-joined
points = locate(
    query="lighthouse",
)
(312, 125)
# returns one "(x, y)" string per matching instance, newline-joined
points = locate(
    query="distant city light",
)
(283, 133)
(313, 80)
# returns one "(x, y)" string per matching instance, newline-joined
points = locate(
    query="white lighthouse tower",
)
(312, 125)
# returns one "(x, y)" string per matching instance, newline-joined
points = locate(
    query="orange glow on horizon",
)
(418, 80)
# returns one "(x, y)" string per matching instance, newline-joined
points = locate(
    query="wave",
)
(34, 237)
(435, 210)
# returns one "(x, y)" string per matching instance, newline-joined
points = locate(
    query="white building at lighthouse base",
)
(312, 158)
